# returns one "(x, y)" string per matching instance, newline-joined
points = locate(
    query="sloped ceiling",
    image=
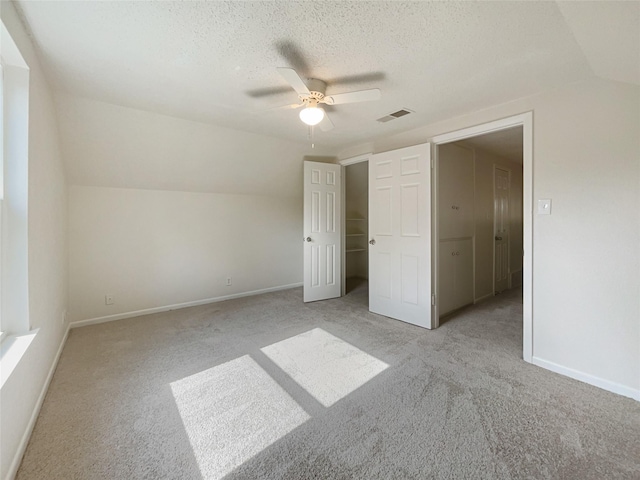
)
(609, 35)
(215, 62)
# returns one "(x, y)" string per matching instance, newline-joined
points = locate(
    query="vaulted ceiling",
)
(216, 62)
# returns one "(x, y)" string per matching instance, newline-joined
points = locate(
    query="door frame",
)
(525, 120)
(508, 170)
(345, 163)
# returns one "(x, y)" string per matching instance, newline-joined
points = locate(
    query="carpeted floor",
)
(267, 387)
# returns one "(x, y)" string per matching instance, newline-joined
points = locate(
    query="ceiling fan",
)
(311, 95)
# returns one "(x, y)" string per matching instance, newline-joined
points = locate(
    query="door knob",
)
(498, 238)
(308, 239)
(372, 242)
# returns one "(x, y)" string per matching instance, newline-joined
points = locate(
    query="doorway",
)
(356, 208)
(480, 217)
(482, 233)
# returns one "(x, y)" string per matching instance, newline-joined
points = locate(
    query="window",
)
(2, 333)
(14, 131)
(14, 297)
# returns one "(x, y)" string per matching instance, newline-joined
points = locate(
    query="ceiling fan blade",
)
(287, 107)
(293, 79)
(353, 97)
(278, 108)
(326, 124)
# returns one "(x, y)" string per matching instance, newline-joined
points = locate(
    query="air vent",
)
(394, 115)
(400, 113)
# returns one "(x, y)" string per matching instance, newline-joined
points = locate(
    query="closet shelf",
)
(356, 219)
(355, 250)
(355, 234)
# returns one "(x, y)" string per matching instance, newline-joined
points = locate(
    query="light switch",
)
(544, 206)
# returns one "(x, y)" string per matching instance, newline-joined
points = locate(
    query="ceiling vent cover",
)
(394, 115)
(400, 113)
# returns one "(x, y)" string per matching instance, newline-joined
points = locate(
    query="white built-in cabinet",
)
(456, 227)
(455, 192)
(456, 274)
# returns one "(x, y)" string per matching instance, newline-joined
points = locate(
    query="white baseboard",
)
(590, 379)
(166, 308)
(22, 446)
(484, 297)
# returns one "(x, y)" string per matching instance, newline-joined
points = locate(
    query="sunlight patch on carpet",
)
(232, 412)
(325, 366)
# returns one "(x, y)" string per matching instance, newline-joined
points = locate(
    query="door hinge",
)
(431, 162)
(433, 299)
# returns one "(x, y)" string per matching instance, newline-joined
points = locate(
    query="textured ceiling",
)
(215, 61)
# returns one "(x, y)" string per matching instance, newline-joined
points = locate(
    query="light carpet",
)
(268, 387)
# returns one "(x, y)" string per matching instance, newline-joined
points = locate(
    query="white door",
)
(322, 236)
(464, 271)
(455, 271)
(446, 276)
(501, 228)
(400, 234)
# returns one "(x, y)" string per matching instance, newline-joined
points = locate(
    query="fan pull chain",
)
(313, 145)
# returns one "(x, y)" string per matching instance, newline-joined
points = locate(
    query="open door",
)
(322, 231)
(501, 186)
(400, 234)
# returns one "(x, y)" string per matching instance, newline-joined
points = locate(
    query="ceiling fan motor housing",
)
(316, 90)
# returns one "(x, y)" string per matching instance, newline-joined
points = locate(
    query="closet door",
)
(456, 227)
(464, 197)
(322, 231)
(400, 231)
(455, 192)
(455, 274)
(463, 272)
(447, 190)
(446, 270)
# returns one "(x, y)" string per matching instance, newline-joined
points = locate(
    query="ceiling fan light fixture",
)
(312, 115)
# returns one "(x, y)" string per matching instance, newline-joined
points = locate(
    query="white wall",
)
(484, 215)
(586, 277)
(136, 234)
(152, 248)
(107, 145)
(47, 252)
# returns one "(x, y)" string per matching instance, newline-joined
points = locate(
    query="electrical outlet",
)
(228, 281)
(109, 299)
